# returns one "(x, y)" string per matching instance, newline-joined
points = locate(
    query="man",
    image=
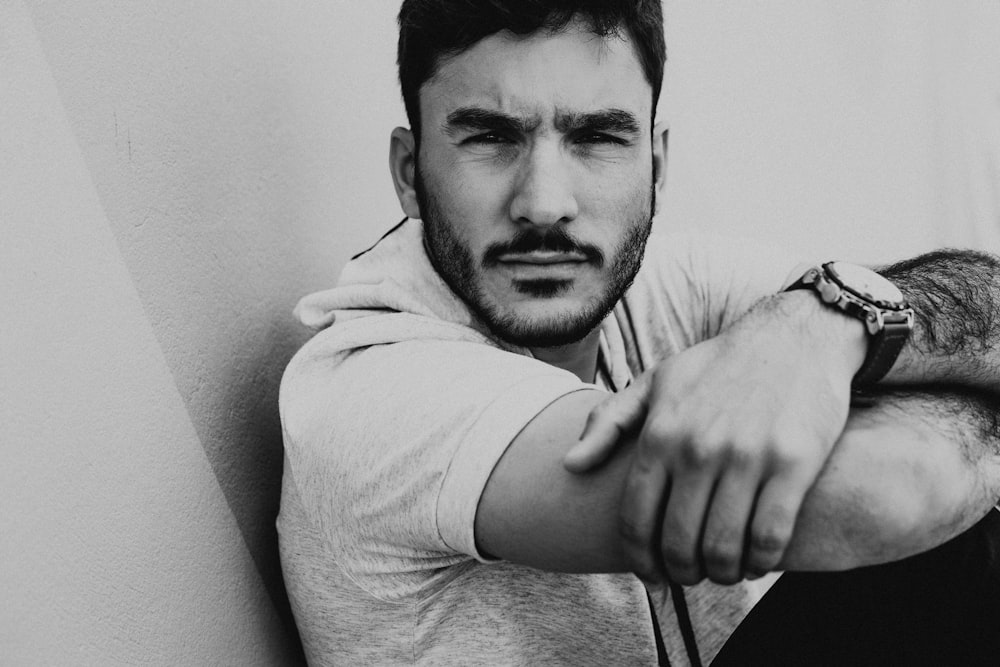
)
(439, 503)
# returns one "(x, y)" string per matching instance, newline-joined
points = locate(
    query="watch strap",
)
(883, 350)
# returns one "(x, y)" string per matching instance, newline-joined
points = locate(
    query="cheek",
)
(479, 200)
(463, 185)
(618, 200)
(465, 209)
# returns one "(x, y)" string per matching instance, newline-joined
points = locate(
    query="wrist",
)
(841, 341)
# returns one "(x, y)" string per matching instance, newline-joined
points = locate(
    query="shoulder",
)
(406, 434)
(330, 380)
(701, 282)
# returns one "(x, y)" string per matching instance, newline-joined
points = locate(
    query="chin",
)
(545, 322)
(538, 337)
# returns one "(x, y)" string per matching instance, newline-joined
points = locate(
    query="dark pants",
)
(938, 608)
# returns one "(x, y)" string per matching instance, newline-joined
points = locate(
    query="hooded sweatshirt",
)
(394, 415)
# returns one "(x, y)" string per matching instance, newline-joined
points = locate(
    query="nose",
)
(544, 190)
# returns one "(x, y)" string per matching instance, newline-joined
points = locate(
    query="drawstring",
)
(661, 650)
(684, 621)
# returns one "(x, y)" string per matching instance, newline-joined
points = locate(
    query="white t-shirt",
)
(394, 415)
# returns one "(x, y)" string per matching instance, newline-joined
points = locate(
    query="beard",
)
(455, 263)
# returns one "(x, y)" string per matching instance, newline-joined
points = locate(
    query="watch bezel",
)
(866, 298)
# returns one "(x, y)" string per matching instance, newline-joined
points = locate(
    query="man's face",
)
(535, 179)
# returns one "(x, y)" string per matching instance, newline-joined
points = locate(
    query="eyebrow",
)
(607, 120)
(479, 119)
(475, 118)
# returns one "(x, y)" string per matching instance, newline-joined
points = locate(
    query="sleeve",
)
(392, 447)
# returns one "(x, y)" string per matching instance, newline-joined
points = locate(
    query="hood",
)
(395, 282)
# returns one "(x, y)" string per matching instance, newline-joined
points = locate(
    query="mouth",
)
(542, 258)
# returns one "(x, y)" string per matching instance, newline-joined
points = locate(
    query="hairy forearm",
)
(956, 339)
(909, 473)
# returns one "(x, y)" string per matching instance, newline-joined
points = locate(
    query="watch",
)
(864, 294)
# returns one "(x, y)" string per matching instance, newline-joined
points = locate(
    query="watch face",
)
(866, 284)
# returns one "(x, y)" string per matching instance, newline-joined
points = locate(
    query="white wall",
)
(174, 176)
(864, 130)
(117, 546)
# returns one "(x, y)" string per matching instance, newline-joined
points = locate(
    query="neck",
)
(579, 358)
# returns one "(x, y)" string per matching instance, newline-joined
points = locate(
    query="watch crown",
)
(828, 291)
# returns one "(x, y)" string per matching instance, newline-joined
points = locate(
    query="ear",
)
(403, 167)
(660, 135)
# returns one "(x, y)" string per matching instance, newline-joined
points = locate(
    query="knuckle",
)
(786, 451)
(632, 533)
(677, 558)
(782, 467)
(742, 456)
(657, 433)
(646, 464)
(633, 492)
(770, 541)
(698, 453)
(720, 555)
(643, 464)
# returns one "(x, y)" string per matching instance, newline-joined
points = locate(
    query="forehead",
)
(573, 70)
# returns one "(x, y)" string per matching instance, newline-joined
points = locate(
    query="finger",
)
(727, 523)
(684, 521)
(607, 423)
(773, 522)
(647, 487)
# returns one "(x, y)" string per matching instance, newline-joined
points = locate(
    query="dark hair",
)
(430, 30)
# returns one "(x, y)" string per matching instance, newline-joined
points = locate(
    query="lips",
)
(542, 258)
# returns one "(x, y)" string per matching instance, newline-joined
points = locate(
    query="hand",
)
(732, 434)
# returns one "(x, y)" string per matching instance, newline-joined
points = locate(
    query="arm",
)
(956, 339)
(906, 474)
(909, 473)
(726, 451)
(769, 438)
(732, 433)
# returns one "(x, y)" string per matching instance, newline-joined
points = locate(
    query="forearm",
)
(909, 473)
(956, 338)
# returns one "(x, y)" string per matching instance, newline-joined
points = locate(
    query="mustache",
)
(555, 239)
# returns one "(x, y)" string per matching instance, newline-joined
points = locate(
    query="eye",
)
(489, 139)
(598, 139)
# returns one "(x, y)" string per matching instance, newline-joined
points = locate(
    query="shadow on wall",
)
(250, 476)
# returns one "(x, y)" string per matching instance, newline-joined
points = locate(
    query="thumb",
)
(616, 416)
